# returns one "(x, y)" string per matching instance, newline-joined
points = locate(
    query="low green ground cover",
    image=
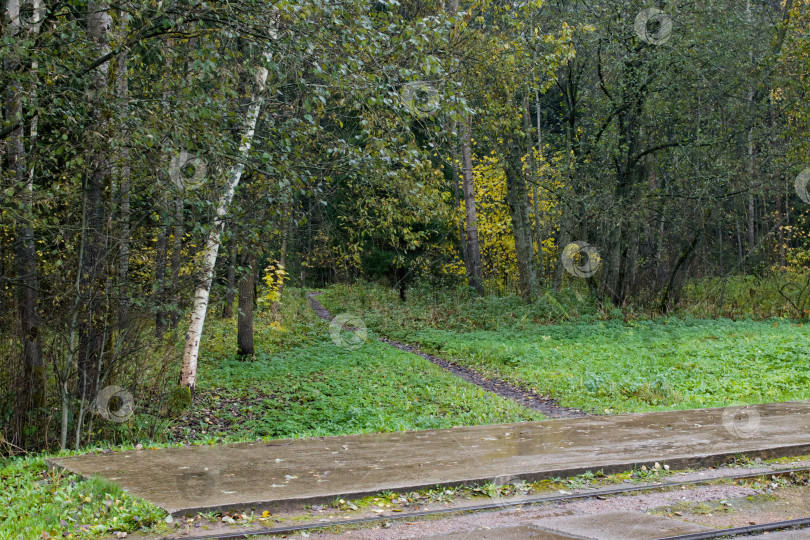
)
(600, 361)
(299, 384)
(43, 504)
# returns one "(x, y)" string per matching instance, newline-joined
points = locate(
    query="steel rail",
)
(721, 533)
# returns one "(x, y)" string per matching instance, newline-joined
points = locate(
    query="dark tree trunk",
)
(518, 200)
(93, 271)
(161, 250)
(247, 299)
(473, 246)
(230, 292)
(457, 195)
(532, 210)
(124, 188)
(177, 252)
(26, 262)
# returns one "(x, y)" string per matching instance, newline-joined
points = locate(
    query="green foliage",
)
(36, 502)
(608, 364)
(179, 400)
(323, 390)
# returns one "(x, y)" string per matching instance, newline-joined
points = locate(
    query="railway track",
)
(722, 533)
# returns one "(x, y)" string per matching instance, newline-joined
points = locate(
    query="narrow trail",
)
(527, 398)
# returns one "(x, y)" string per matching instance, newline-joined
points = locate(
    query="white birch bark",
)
(188, 370)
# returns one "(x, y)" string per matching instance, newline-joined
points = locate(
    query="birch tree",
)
(188, 370)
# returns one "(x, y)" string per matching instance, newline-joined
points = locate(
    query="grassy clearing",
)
(602, 363)
(38, 503)
(300, 384)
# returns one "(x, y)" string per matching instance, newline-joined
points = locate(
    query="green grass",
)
(38, 503)
(610, 364)
(299, 384)
(322, 389)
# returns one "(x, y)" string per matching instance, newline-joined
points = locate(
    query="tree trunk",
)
(93, 261)
(532, 207)
(188, 370)
(247, 299)
(227, 313)
(538, 222)
(124, 188)
(161, 250)
(462, 235)
(25, 248)
(473, 245)
(177, 252)
(518, 201)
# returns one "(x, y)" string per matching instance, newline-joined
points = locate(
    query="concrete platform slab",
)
(619, 526)
(291, 473)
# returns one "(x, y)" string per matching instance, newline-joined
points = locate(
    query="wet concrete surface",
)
(291, 473)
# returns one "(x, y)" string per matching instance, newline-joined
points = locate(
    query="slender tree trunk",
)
(177, 252)
(532, 207)
(751, 180)
(124, 172)
(538, 218)
(473, 245)
(26, 261)
(247, 300)
(188, 370)
(670, 293)
(457, 196)
(97, 178)
(161, 250)
(227, 313)
(517, 199)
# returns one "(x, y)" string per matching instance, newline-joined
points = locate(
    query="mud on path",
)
(527, 398)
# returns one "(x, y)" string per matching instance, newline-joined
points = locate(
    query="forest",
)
(175, 176)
